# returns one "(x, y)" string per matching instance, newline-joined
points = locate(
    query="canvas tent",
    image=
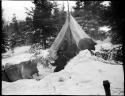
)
(69, 37)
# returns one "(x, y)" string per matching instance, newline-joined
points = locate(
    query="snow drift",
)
(83, 75)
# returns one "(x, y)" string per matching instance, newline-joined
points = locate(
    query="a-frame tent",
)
(69, 37)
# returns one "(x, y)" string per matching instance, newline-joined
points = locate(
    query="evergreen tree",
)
(29, 30)
(4, 35)
(116, 20)
(42, 21)
(47, 21)
(59, 16)
(3, 38)
(78, 8)
(15, 36)
(94, 15)
(89, 13)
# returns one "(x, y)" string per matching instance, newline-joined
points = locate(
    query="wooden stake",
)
(106, 85)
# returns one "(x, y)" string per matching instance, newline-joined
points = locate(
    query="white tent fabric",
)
(60, 36)
(71, 31)
(77, 30)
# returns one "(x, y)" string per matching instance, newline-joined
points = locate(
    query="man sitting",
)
(60, 62)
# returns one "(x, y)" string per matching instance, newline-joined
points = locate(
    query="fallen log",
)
(24, 70)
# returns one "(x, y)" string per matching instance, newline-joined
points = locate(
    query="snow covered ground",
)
(20, 54)
(83, 75)
(104, 45)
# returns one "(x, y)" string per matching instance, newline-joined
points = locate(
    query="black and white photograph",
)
(62, 47)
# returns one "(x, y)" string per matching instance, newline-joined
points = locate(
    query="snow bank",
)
(83, 75)
(17, 50)
(16, 59)
(106, 46)
(7, 54)
(89, 70)
(44, 53)
(22, 54)
(22, 49)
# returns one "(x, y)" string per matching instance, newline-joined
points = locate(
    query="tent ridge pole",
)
(68, 10)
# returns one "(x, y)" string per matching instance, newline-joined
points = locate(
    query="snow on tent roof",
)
(71, 31)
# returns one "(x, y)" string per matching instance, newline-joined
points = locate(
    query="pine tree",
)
(78, 8)
(116, 20)
(3, 47)
(4, 35)
(90, 13)
(15, 32)
(42, 21)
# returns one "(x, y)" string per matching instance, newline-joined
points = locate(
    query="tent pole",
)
(69, 21)
(68, 6)
(68, 10)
